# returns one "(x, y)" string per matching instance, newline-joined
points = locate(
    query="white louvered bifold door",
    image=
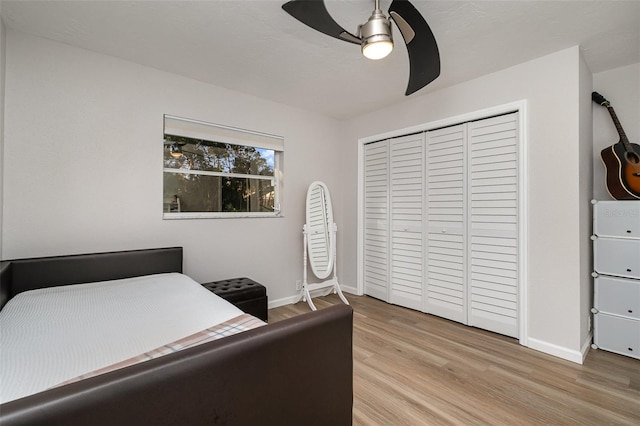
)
(493, 224)
(406, 181)
(441, 222)
(446, 287)
(376, 220)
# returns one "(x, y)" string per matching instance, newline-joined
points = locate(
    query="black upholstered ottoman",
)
(246, 294)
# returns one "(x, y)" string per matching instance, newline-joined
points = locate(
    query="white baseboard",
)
(349, 289)
(290, 300)
(558, 351)
(284, 301)
(586, 346)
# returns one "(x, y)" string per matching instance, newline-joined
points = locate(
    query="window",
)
(219, 171)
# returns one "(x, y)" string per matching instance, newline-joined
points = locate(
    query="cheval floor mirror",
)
(320, 244)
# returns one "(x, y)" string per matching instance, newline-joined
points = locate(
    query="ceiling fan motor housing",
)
(376, 29)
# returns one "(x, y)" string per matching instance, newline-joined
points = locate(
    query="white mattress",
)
(51, 335)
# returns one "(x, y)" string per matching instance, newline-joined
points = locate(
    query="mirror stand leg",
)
(336, 289)
(306, 295)
(336, 285)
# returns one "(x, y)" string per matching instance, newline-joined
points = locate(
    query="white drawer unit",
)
(617, 256)
(617, 334)
(616, 262)
(618, 296)
(616, 219)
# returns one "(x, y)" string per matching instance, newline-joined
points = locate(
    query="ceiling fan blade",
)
(314, 14)
(424, 57)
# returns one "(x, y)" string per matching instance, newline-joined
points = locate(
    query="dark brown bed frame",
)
(294, 372)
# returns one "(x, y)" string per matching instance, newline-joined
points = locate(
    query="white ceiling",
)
(257, 48)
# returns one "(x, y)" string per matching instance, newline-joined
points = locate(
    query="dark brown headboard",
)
(21, 275)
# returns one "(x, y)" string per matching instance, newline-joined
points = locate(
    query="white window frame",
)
(196, 129)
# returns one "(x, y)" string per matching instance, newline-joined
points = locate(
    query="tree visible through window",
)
(204, 176)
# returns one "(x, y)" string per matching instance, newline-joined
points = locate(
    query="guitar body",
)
(622, 171)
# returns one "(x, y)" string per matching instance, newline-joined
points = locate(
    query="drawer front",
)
(619, 296)
(616, 334)
(616, 219)
(615, 256)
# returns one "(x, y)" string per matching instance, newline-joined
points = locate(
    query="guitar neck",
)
(623, 136)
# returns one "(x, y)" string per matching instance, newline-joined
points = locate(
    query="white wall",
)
(551, 86)
(621, 86)
(83, 164)
(584, 186)
(2, 85)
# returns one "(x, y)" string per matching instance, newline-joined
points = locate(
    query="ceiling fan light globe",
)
(376, 49)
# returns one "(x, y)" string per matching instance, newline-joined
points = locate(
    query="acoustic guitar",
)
(621, 160)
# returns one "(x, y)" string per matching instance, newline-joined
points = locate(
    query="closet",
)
(441, 222)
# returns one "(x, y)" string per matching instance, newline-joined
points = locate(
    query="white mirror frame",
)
(320, 233)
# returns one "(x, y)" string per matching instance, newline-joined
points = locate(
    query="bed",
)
(257, 377)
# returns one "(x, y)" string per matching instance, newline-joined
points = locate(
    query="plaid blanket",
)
(235, 325)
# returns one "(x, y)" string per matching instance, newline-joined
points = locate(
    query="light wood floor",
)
(412, 368)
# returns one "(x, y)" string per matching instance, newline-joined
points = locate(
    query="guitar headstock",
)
(599, 99)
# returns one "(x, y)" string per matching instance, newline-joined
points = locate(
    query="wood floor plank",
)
(411, 368)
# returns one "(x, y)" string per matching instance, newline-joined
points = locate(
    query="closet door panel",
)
(445, 260)
(376, 220)
(406, 206)
(493, 224)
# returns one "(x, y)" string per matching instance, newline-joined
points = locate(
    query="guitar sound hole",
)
(633, 158)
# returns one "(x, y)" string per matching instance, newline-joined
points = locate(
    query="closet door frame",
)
(519, 107)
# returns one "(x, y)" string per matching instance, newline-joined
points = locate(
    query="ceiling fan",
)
(375, 38)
